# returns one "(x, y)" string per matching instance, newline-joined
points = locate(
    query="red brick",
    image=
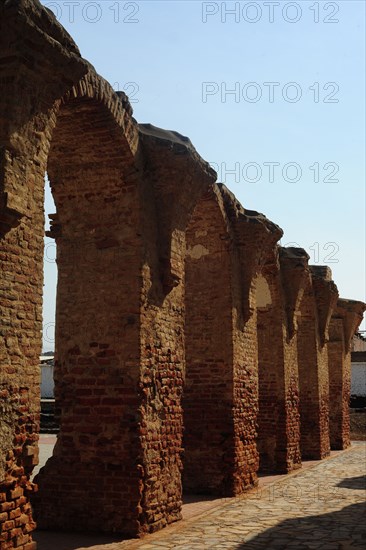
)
(15, 513)
(6, 506)
(8, 525)
(4, 516)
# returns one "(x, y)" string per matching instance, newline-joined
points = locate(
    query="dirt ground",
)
(358, 424)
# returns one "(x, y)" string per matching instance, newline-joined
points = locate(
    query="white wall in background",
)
(358, 379)
(47, 383)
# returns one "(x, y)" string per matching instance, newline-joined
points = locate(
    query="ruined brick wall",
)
(293, 280)
(104, 329)
(144, 314)
(208, 388)
(289, 448)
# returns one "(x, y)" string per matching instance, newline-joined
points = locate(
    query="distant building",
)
(358, 371)
(359, 341)
(47, 382)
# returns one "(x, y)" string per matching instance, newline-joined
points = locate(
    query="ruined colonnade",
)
(192, 350)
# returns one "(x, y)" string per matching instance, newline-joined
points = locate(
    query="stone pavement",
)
(320, 507)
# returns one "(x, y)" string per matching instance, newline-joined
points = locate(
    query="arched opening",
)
(208, 391)
(49, 425)
(50, 277)
(91, 481)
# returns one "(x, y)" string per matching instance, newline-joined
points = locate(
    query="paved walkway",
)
(319, 507)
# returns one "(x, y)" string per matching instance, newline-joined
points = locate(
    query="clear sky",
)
(271, 93)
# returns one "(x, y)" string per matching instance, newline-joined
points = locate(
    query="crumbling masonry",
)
(191, 349)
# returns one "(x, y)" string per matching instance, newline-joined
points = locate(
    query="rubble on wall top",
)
(181, 147)
(235, 209)
(321, 271)
(351, 305)
(170, 136)
(292, 252)
(42, 18)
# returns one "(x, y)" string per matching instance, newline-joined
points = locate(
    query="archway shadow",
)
(58, 540)
(341, 530)
(358, 482)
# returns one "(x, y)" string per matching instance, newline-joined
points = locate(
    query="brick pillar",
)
(345, 320)
(27, 97)
(254, 237)
(271, 375)
(293, 275)
(21, 253)
(245, 409)
(313, 380)
(339, 386)
(208, 390)
(278, 294)
(313, 320)
(171, 168)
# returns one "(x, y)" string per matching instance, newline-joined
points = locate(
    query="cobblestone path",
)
(322, 507)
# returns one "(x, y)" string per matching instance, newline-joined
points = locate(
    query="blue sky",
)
(289, 140)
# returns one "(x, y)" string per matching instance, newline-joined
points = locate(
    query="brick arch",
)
(91, 156)
(99, 255)
(115, 106)
(113, 340)
(51, 138)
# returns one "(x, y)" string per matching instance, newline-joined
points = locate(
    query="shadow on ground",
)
(53, 540)
(358, 482)
(341, 530)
